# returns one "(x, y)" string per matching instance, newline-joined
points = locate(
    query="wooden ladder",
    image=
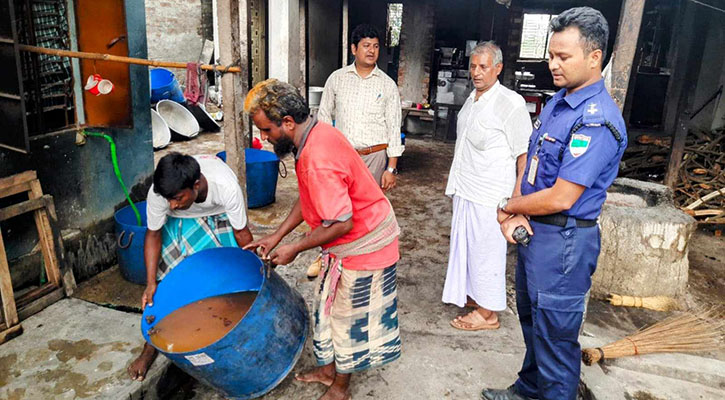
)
(60, 280)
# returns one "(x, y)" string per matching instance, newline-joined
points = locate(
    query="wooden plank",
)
(34, 294)
(690, 48)
(232, 17)
(85, 55)
(66, 272)
(625, 47)
(345, 31)
(6, 288)
(8, 334)
(18, 179)
(15, 189)
(45, 233)
(38, 305)
(24, 207)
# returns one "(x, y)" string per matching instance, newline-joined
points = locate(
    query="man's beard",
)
(284, 146)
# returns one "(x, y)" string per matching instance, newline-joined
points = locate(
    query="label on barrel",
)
(199, 359)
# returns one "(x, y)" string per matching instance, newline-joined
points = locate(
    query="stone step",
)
(684, 367)
(641, 385)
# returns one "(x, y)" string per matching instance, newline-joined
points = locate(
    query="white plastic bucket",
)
(314, 96)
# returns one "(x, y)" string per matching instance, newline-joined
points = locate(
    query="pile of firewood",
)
(646, 159)
(700, 189)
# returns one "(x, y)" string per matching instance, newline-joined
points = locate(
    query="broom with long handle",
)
(690, 332)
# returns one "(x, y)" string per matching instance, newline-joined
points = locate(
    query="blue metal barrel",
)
(130, 238)
(262, 169)
(257, 353)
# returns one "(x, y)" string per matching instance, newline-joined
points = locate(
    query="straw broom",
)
(690, 332)
(657, 303)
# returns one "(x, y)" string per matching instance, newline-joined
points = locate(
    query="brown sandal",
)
(479, 323)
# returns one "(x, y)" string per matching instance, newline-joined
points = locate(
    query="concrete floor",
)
(438, 362)
(75, 350)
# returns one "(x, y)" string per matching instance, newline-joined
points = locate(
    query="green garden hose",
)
(117, 170)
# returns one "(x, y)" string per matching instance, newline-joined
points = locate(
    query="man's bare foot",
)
(324, 375)
(340, 388)
(336, 392)
(138, 368)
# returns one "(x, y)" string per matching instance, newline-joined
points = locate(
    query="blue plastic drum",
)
(165, 86)
(262, 170)
(130, 238)
(262, 348)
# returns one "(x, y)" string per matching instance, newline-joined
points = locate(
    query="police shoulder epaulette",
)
(593, 115)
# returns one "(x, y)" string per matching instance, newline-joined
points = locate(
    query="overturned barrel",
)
(228, 321)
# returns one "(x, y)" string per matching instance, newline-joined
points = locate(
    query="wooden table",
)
(422, 114)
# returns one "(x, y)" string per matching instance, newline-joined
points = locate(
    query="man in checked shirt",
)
(365, 105)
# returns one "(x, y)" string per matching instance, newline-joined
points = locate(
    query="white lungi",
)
(491, 133)
(477, 260)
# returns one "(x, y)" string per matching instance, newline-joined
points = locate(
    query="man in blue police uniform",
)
(572, 159)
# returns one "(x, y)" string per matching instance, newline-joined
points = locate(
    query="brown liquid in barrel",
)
(201, 323)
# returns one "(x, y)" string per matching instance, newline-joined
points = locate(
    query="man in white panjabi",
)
(490, 155)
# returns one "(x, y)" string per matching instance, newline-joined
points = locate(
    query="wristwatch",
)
(393, 171)
(503, 203)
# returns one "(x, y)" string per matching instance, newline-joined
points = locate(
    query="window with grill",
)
(47, 79)
(395, 22)
(535, 36)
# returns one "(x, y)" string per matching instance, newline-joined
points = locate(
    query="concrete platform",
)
(650, 376)
(78, 350)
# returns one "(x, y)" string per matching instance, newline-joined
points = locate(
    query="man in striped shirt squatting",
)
(356, 308)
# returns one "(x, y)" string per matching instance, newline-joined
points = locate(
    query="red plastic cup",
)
(97, 86)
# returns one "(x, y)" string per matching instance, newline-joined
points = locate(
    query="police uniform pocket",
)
(560, 315)
(549, 162)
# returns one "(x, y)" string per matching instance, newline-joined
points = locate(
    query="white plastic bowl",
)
(181, 121)
(161, 132)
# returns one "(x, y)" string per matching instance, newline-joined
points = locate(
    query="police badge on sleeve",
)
(579, 144)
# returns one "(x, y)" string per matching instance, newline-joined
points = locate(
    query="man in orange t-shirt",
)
(356, 314)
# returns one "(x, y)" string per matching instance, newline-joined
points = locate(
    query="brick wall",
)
(175, 30)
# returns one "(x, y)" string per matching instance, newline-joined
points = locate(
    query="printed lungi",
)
(182, 237)
(361, 330)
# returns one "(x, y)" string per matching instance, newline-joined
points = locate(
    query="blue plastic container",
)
(262, 170)
(165, 86)
(257, 353)
(130, 238)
